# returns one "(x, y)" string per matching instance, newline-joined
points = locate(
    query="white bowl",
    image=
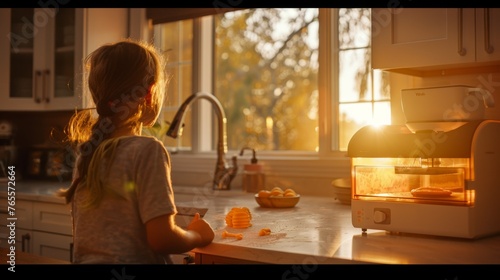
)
(342, 190)
(277, 201)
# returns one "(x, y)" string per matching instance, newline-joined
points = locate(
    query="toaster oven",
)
(435, 183)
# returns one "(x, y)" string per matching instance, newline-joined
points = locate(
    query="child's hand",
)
(196, 217)
(204, 229)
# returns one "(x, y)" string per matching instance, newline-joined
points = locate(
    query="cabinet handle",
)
(487, 47)
(71, 252)
(461, 50)
(37, 77)
(45, 96)
(25, 237)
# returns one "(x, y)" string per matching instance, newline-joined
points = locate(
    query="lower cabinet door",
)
(52, 217)
(52, 245)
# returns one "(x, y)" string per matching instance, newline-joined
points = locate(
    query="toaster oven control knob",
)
(379, 216)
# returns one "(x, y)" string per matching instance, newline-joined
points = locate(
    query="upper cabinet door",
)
(412, 38)
(488, 34)
(18, 78)
(63, 60)
(42, 64)
(40, 58)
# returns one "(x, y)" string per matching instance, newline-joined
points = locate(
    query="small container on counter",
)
(253, 177)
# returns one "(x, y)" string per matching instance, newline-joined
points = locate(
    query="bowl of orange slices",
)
(277, 198)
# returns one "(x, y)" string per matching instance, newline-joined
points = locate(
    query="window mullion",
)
(203, 133)
(328, 81)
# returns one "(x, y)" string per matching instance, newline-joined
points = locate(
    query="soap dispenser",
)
(253, 177)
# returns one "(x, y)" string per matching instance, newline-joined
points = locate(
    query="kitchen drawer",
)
(213, 259)
(23, 213)
(52, 217)
(52, 245)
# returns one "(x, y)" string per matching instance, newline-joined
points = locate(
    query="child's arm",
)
(165, 237)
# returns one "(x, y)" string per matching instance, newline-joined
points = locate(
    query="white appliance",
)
(440, 177)
(444, 108)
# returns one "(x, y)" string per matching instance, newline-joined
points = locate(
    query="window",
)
(363, 93)
(175, 40)
(264, 66)
(266, 76)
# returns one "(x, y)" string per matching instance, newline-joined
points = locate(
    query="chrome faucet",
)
(224, 173)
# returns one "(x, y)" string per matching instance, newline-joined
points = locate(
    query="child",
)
(121, 195)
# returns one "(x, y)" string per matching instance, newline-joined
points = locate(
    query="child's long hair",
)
(126, 81)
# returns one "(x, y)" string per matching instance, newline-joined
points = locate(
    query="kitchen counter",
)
(317, 230)
(36, 190)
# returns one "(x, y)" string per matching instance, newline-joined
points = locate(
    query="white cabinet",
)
(52, 230)
(42, 228)
(52, 245)
(488, 35)
(52, 217)
(42, 63)
(434, 38)
(23, 222)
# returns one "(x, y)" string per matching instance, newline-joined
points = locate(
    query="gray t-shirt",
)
(114, 231)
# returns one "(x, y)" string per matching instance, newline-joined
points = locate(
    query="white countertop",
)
(36, 190)
(317, 230)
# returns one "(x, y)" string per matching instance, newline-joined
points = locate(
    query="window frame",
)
(304, 168)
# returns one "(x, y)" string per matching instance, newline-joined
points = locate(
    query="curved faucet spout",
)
(224, 173)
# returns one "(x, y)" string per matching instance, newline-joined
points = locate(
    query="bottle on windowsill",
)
(253, 177)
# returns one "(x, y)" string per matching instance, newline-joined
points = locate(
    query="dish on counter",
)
(342, 190)
(277, 201)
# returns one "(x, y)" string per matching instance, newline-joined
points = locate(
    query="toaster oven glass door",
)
(436, 181)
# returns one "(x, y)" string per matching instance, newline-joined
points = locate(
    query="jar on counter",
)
(253, 177)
